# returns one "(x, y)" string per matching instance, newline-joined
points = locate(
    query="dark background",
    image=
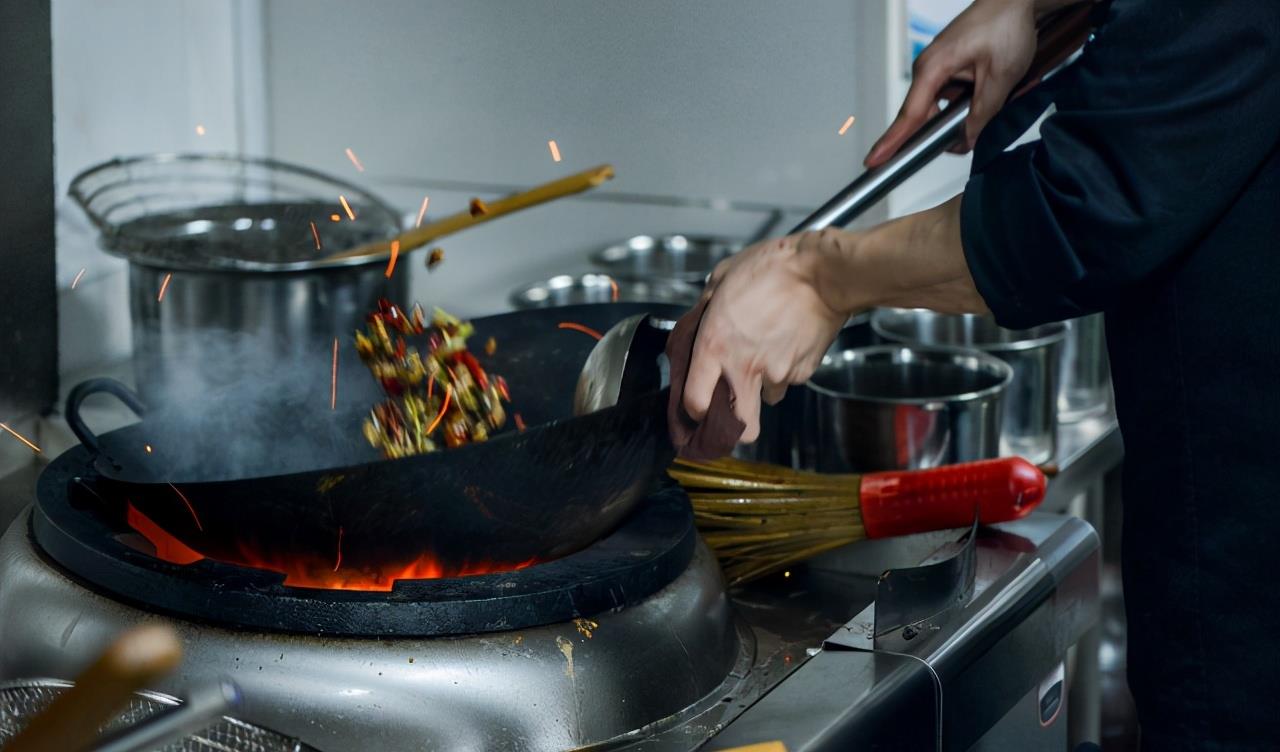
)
(28, 292)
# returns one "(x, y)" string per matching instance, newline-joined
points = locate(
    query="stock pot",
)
(227, 276)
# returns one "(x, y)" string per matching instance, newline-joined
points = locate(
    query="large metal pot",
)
(1031, 403)
(891, 407)
(227, 278)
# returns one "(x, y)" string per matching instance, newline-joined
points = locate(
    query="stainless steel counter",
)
(1087, 451)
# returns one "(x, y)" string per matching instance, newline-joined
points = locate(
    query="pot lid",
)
(226, 213)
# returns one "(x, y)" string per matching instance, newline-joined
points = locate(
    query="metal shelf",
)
(1087, 450)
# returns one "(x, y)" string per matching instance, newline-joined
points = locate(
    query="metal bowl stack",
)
(640, 269)
(1030, 424)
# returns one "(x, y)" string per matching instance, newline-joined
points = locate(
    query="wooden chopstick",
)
(420, 236)
(71, 721)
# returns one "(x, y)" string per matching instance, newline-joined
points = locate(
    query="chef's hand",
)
(765, 326)
(991, 45)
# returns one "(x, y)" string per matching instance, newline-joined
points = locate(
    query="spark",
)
(350, 214)
(338, 564)
(315, 234)
(164, 286)
(422, 212)
(555, 150)
(146, 448)
(846, 125)
(787, 573)
(613, 286)
(21, 438)
(76, 281)
(395, 253)
(333, 381)
(190, 508)
(199, 129)
(579, 328)
(352, 156)
(448, 392)
(335, 217)
(519, 422)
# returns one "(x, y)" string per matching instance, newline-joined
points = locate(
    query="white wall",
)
(733, 100)
(130, 77)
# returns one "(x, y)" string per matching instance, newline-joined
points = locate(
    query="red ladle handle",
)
(917, 501)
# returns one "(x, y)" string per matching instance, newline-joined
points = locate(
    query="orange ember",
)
(423, 211)
(317, 573)
(168, 548)
(579, 328)
(391, 264)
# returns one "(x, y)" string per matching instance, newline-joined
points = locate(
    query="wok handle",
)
(95, 386)
(917, 501)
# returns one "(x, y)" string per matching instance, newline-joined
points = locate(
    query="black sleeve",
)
(1163, 121)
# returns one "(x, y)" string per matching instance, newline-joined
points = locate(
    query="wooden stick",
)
(71, 722)
(418, 237)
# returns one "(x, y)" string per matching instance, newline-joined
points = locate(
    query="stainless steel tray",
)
(688, 258)
(594, 287)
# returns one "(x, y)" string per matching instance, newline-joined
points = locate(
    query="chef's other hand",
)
(991, 45)
(765, 326)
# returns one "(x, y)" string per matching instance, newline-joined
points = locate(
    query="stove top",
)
(631, 644)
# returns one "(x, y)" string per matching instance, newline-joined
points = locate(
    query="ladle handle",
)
(1061, 37)
(77, 397)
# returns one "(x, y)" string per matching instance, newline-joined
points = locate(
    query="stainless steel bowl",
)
(1031, 403)
(891, 407)
(688, 258)
(594, 287)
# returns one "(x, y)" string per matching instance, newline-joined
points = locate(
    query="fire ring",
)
(649, 550)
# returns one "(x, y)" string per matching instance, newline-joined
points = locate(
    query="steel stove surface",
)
(675, 665)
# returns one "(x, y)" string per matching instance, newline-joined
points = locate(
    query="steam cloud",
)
(233, 404)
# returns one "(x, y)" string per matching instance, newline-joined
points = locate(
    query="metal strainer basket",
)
(217, 211)
(20, 701)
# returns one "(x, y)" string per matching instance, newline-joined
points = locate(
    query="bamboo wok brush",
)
(760, 518)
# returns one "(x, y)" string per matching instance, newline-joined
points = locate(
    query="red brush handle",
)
(916, 501)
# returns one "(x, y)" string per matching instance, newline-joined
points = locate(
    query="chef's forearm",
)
(916, 261)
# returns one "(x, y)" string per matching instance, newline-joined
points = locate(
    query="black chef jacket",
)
(1154, 195)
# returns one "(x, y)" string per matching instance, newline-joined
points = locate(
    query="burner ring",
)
(649, 550)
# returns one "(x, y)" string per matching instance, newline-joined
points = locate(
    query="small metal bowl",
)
(891, 407)
(593, 287)
(688, 258)
(1031, 406)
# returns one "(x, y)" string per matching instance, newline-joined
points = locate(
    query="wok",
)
(522, 496)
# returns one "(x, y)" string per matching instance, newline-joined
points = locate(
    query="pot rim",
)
(679, 292)
(1057, 332)
(988, 361)
(109, 233)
